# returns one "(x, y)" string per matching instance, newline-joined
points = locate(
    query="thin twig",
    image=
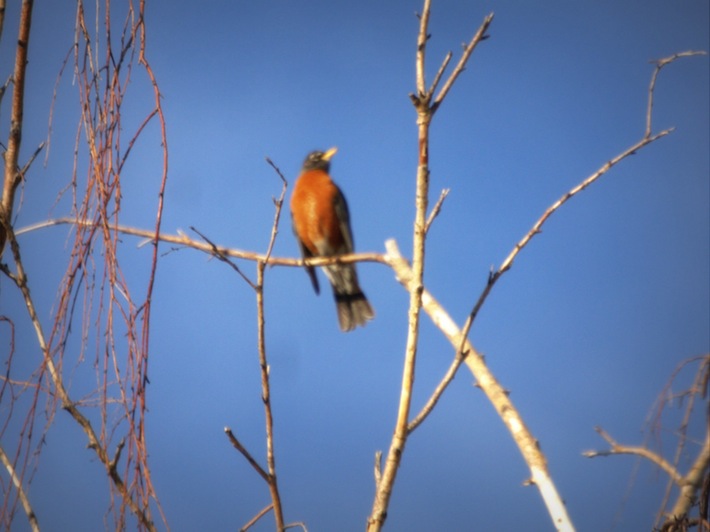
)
(616, 448)
(461, 65)
(61, 392)
(438, 392)
(258, 516)
(239, 447)
(660, 63)
(437, 209)
(219, 253)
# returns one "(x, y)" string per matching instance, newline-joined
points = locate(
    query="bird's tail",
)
(353, 310)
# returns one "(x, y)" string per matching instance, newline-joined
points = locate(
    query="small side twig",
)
(438, 391)
(218, 252)
(246, 454)
(258, 516)
(437, 209)
(616, 448)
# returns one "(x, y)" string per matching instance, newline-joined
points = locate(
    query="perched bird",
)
(321, 223)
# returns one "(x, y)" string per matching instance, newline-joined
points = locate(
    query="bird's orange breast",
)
(315, 219)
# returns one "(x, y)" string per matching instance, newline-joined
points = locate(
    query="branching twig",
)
(660, 63)
(616, 448)
(270, 475)
(61, 392)
(692, 482)
(425, 109)
(647, 139)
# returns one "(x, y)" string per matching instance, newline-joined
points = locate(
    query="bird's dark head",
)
(319, 160)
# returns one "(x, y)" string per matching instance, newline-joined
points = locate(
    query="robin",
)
(321, 223)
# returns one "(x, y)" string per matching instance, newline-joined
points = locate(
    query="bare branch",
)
(425, 111)
(438, 392)
(616, 448)
(258, 516)
(61, 392)
(497, 395)
(437, 209)
(239, 447)
(660, 63)
(461, 65)
(440, 72)
(12, 177)
(31, 517)
(218, 252)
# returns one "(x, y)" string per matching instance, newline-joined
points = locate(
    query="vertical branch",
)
(266, 398)
(263, 365)
(383, 489)
(12, 176)
(422, 101)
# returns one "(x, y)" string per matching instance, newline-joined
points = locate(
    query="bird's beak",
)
(329, 154)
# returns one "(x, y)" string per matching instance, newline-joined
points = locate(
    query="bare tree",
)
(95, 296)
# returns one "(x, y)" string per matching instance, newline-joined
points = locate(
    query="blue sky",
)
(584, 330)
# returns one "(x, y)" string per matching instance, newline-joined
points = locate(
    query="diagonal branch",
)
(461, 65)
(17, 482)
(497, 395)
(647, 139)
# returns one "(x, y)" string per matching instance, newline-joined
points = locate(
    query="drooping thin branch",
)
(60, 391)
(217, 252)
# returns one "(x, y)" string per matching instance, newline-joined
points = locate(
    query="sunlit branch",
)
(17, 482)
(437, 209)
(497, 395)
(647, 139)
(209, 247)
(425, 109)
